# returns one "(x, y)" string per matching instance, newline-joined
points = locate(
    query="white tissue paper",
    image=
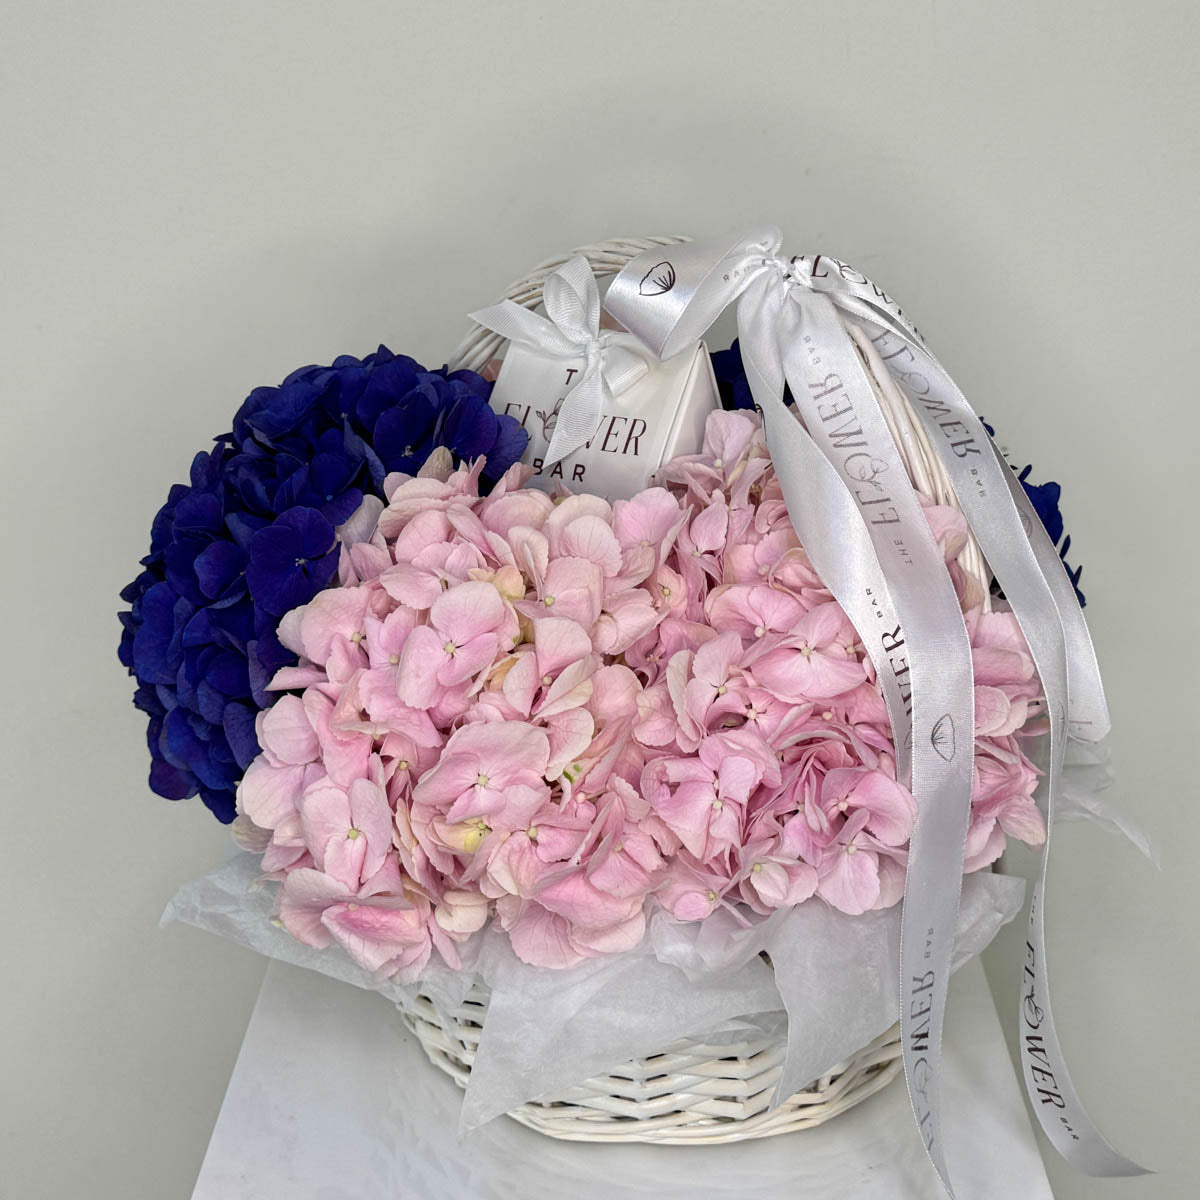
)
(1086, 773)
(834, 975)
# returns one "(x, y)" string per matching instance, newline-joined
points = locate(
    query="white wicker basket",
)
(691, 1092)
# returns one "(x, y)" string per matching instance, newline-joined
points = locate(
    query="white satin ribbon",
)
(849, 496)
(571, 331)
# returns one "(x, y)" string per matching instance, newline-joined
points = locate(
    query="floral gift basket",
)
(644, 722)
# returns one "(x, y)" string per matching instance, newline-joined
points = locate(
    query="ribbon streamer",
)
(571, 330)
(804, 321)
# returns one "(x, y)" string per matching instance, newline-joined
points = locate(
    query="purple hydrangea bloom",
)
(251, 535)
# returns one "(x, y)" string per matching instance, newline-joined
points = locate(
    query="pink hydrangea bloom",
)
(553, 715)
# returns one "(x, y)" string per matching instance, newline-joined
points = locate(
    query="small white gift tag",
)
(660, 415)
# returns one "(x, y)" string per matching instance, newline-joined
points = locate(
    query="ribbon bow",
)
(814, 324)
(571, 330)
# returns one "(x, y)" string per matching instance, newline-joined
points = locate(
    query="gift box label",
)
(660, 415)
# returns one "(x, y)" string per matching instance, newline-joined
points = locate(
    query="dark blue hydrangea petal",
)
(475, 384)
(221, 803)
(210, 703)
(227, 672)
(291, 560)
(173, 783)
(219, 567)
(230, 627)
(286, 408)
(508, 447)
(146, 699)
(157, 645)
(341, 508)
(164, 521)
(470, 428)
(732, 384)
(237, 722)
(396, 377)
(199, 513)
(405, 433)
(266, 655)
(1045, 499)
(242, 527)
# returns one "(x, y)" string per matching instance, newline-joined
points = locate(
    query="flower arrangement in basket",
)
(495, 743)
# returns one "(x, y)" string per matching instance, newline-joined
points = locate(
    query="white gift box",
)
(660, 415)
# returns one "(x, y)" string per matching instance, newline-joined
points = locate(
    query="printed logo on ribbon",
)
(942, 738)
(657, 281)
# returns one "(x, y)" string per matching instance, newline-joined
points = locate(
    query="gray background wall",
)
(199, 197)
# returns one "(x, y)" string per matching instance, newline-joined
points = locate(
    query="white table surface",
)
(332, 1099)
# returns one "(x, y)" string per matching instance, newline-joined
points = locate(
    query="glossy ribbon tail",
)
(812, 322)
(837, 400)
(1044, 603)
(571, 331)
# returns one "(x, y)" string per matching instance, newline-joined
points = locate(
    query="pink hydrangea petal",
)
(709, 526)
(371, 814)
(573, 508)
(542, 938)
(559, 642)
(531, 551)
(891, 806)
(615, 692)
(993, 711)
(325, 816)
(466, 611)
(305, 895)
(821, 625)
(424, 529)
(628, 615)
(849, 880)
(333, 613)
(994, 666)
(413, 586)
(647, 518)
(985, 844)
(345, 859)
(570, 735)
(372, 933)
(522, 681)
(591, 537)
(891, 879)
(268, 795)
(716, 659)
(1021, 818)
(571, 688)
(736, 777)
(288, 630)
(688, 811)
(514, 867)
(576, 587)
(794, 677)
(529, 507)
(420, 661)
(287, 732)
(469, 659)
(462, 912)
(287, 679)
(610, 939)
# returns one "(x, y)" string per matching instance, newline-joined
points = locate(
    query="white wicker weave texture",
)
(691, 1092)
